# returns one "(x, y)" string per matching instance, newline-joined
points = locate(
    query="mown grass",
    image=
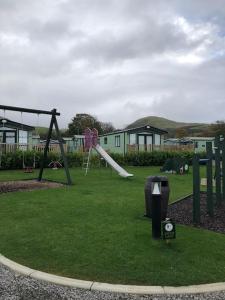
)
(180, 186)
(95, 230)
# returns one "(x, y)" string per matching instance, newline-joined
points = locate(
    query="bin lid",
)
(157, 178)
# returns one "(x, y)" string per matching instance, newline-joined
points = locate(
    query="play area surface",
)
(26, 185)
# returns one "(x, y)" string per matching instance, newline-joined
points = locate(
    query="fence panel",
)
(9, 148)
(150, 147)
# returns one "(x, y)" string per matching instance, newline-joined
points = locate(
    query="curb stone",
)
(114, 288)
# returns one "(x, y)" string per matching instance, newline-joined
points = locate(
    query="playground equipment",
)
(4, 121)
(91, 142)
(27, 168)
(54, 122)
(219, 195)
(55, 165)
(176, 165)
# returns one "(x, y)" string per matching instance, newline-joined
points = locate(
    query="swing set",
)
(54, 123)
(27, 168)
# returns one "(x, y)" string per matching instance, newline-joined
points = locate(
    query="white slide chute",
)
(112, 162)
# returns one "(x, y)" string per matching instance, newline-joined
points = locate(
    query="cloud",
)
(146, 38)
(118, 60)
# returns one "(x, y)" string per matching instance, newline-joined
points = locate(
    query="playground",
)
(89, 223)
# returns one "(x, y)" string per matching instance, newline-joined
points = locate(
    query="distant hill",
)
(159, 122)
(194, 129)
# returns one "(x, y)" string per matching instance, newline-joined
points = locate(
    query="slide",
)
(112, 162)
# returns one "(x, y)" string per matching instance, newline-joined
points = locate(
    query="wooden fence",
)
(9, 148)
(149, 148)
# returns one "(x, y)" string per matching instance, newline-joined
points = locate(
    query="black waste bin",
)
(165, 191)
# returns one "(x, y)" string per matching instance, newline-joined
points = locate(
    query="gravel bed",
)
(181, 213)
(28, 185)
(18, 287)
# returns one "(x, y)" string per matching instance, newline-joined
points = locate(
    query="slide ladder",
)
(86, 160)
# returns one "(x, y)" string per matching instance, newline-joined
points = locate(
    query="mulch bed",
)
(181, 213)
(27, 185)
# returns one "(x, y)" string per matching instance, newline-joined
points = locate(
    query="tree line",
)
(217, 128)
(77, 126)
(82, 121)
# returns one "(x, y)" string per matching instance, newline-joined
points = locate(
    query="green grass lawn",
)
(180, 186)
(95, 230)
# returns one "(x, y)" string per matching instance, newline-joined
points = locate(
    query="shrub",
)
(156, 158)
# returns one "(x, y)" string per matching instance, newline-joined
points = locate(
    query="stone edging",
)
(106, 287)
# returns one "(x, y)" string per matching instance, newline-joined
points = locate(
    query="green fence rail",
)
(214, 157)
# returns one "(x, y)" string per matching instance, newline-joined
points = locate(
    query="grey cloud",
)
(51, 32)
(46, 31)
(109, 57)
(44, 62)
(146, 40)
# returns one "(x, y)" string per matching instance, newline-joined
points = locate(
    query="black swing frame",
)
(54, 122)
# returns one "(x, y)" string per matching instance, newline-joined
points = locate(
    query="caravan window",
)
(132, 139)
(23, 137)
(157, 139)
(10, 137)
(117, 141)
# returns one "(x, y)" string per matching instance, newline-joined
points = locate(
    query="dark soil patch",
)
(181, 213)
(26, 185)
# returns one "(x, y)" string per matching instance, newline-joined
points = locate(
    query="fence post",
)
(209, 176)
(217, 170)
(196, 189)
(223, 166)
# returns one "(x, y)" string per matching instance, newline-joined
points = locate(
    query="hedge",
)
(15, 160)
(154, 158)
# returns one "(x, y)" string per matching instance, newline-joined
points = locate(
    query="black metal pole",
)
(209, 176)
(196, 189)
(218, 170)
(156, 210)
(223, 167)
(69, 181)
(46, 148)
(29, 110)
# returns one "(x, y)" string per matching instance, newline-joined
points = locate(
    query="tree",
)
(81, 121)
(217, 128)
(107, 127)
(43, 133)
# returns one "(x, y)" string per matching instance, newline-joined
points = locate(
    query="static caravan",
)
(145, 138)
(14, 134)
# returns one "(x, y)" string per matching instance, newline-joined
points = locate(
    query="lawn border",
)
(106, 287)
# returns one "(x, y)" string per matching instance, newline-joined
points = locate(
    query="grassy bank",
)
(96, 230)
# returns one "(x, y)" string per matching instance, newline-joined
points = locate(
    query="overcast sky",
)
(116, 59)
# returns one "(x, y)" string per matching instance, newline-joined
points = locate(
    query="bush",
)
(75, 159)
(15, 160)
(18, 159)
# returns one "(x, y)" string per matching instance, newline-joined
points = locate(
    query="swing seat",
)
(55, 165)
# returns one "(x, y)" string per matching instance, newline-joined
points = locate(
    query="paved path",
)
(18, 287)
